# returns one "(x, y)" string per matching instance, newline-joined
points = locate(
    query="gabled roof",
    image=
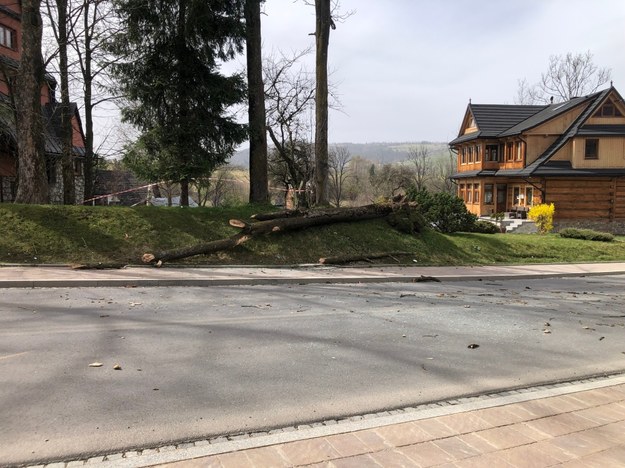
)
(486, 116)
(595, 101)
(51, 120)
(493, 119)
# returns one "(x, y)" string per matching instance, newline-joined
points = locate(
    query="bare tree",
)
(289, 94)
(89, 38)
(390, 180)
(26, 86)
(567, 76)
(259, 190)
(338, 162)
(419, 157)
(62, 21)
(326, 15)
(442, 172)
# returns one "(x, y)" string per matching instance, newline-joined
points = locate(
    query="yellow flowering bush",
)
(542, 215)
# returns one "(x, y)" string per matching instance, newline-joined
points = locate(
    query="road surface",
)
(201, 362)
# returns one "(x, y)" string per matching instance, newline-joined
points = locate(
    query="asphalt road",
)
(201, 362)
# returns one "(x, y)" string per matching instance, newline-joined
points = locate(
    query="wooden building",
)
(572, 154)
(10, 51)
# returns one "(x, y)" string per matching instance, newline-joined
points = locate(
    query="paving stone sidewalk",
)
(579, 429)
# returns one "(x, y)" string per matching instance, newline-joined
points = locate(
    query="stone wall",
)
(56, 188)
(615, 227)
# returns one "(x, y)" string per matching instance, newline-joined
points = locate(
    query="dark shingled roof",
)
(595, 101)
(492, 119)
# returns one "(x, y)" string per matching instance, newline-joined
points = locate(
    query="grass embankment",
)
(76, 234)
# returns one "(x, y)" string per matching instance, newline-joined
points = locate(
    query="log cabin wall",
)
(589, 198)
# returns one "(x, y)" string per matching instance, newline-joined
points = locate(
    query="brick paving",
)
(581, 429)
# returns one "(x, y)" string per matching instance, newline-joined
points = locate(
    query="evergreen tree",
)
(169, 76)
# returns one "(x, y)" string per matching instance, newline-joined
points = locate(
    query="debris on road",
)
(96, 364)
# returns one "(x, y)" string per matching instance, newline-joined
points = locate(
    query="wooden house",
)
(10, 50)
(571, 154)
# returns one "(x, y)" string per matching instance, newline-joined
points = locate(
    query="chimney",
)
(551, 99)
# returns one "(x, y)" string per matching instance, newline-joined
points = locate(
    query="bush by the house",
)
(486, 227)
(542, 215)
(586, 234)
(445, 212)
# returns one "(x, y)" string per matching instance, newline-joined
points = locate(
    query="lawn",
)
(54, 234)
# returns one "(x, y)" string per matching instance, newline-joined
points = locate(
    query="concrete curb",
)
(241, 281)
(208, 449)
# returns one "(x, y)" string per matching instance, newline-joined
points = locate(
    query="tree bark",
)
(311, 219)
(259, 185)
(67, 158)
(199, 249)
(89, 166)
(277, 215)
(32, 181)
(322, 36)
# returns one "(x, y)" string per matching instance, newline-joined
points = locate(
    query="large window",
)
(592, 148)
(7, 37)
(519, 151)
(491, 153)
(529, 196)
(509, 151)
(476, 193)
(477, 153)
(488, 194)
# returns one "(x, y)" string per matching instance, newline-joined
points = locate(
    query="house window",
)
(461, 191)
(477, 153)
(7, 37)
(592, 148)
(509, 149)
(517, 196)
(476, 193)
(608, 110)
(470, 150)
(488, 194)
(463, 155)
(519, 151)
(529, 196)
(491, 153)
(77, 167)
(469, 191)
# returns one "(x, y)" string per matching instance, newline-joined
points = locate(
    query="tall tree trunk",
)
(89, 166)
(259, 192)
(182, 93)
(32, 181)
(67, 159)
(322, 36)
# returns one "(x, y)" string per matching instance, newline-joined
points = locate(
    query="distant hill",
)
(377, 152)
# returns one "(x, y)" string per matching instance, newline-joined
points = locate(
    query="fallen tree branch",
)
(198, 249)
(341, 259)
(282, 224)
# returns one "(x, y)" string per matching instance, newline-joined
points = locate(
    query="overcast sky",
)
(405, 69)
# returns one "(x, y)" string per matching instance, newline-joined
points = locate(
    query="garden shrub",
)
(486, 227)
(445, 212)
(586, 234)
(542, 215)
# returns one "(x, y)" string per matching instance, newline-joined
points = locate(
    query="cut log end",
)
(148, 258)
(237, 223)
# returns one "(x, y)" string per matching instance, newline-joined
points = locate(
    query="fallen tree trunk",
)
(341, 259)
(313, 218)
(198, 249)
(282, 224)
(277, 215)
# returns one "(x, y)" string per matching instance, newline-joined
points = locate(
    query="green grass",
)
(79, 234)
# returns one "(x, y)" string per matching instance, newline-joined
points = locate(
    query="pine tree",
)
(169, 75)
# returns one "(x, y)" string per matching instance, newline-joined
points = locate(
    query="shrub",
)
(486, 227)
(542, 215)
(586, 234)
(445, 212)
